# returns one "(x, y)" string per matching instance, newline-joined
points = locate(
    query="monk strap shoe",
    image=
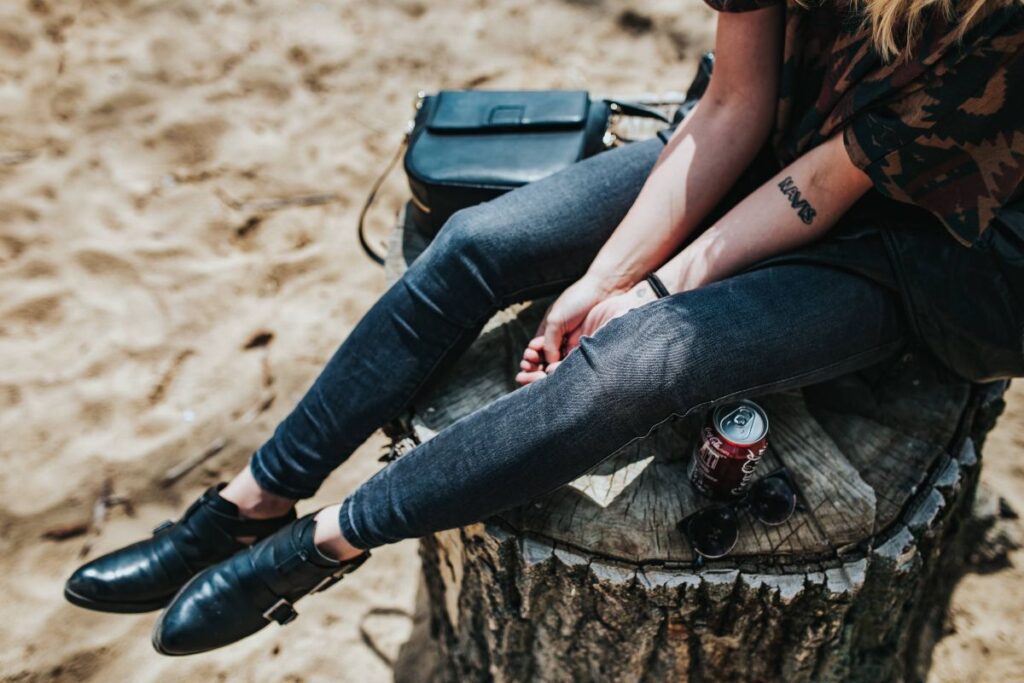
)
(283, 612)
(144, 576)
(248, 591)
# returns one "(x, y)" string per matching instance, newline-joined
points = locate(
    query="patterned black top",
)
(942, 130)
(941, 135)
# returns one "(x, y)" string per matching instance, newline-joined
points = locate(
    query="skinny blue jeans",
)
(766, 329)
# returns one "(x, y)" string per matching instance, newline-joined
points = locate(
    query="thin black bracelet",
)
(660, 290)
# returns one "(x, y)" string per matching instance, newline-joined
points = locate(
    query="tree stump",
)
(594, 582)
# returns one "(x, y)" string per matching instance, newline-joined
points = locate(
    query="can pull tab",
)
(740, 423)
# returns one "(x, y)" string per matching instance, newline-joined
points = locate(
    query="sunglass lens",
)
(772, 500)
(713, 532)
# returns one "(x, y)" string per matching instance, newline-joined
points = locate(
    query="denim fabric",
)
(766, 329)
(529, 243)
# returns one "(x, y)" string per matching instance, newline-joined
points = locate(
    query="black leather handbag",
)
(465, 147)
(469, 146)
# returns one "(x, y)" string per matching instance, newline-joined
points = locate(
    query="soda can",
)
(730, 446)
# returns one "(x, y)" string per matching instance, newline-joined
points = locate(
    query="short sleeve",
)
(953, 144)
(740, 5)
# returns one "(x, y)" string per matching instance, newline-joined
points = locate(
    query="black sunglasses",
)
(713, 531)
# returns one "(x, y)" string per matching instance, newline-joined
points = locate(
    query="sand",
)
(179, 183)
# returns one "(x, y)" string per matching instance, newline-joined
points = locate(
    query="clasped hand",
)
(581, 310)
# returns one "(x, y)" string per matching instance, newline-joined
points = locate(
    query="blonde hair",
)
(896, 24)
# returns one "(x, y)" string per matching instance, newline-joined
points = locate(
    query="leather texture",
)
(518, 111)
(248, 591)
(467, 147)
(144, 576)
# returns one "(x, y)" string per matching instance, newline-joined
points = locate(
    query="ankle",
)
(252, 500)
(328, 537)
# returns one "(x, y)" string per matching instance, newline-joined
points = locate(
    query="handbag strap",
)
(374, 255)
(636, 109)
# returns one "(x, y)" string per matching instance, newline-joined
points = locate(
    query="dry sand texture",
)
(178, 185)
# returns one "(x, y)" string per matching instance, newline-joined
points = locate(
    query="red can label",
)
(721, 468)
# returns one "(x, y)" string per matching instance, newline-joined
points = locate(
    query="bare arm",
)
(798, 205)
(702, 160)
(707, 153)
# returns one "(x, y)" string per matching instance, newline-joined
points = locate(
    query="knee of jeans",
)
(466, 244)
(645, 362)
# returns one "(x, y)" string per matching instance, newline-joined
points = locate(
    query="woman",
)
(844, 188)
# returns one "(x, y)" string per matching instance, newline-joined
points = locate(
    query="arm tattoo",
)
(802, 206)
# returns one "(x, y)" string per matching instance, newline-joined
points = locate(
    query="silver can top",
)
(742, 423)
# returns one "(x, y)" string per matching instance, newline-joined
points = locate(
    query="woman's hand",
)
(569, 320)
(561, 318)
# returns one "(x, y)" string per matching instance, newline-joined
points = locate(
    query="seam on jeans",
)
(888, 348)
(906, 294)
(347, 506)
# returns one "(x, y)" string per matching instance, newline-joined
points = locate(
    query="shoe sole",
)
(154, 640)
(114, 607)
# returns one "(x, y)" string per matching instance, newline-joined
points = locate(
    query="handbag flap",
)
(464, 111)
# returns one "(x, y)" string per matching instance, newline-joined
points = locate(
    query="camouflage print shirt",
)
(940, 134)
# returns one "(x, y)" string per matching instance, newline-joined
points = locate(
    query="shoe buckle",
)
(163, 526)
(347, 568)
(327, 582)
(281, 611)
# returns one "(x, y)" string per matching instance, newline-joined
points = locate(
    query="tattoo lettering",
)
(802, 206)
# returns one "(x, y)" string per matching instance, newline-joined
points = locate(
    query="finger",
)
(537, 343)
(529, 377)
(553, 338)
(532, 355)
(527, 366)
(552, 367)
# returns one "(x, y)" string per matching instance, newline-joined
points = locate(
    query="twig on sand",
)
(175, 473)
(63, 532)
(275, 203)
(368, 639)
(189, 464)
(106, 501)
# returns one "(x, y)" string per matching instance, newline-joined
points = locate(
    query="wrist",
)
(642, 292)
(656, 285)
(609, 284)
(688, 270)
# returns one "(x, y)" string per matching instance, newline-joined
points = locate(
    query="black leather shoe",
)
(144, 576)
(253, 588)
